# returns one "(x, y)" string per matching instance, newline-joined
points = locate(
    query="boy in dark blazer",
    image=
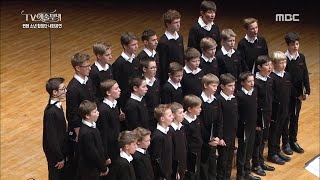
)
(141, 158)
(55, 130)
(92, 162)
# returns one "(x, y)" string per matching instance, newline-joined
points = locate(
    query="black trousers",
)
(244, 152)
(208, 164)
(55, 173)
(276, 129)
(290, 131)
(189, 175)
(224, 162)
(261, 138)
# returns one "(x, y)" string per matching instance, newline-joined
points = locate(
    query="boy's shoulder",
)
(120, 60)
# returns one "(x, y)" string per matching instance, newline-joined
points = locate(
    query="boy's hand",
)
(104, 173)
(303, 97)
(178, 176)
(222, 143)
(108, 161)
(214, 141)
(258, 128)
(59, 164)
(122, 116)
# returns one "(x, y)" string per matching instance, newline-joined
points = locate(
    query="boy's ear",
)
(202, 13)
(259, 67)
(222, 86)
(87, 116)
(98, 56)
(54, 93)
(242, 83)
(205, 85)
(77, 68)
(144, 69)
(189, 109)
(135, 88)
(108, 93)
(145, 42)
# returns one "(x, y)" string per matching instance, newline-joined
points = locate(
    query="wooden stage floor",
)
(25, 67)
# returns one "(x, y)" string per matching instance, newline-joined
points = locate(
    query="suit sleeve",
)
(91, 152)
(306, 82)
(220, 122)
(52, 138)
(104, 129)
(73, 117)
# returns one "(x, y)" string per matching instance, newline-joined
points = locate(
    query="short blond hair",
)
(278, 56)
(99, 48)
(126, 138)
(79, 58)
(207, 43)
(141, 133)
(227, 33)
(191, 101)
(209, 79)
(175, 106)
(160, 110)
(248, 21)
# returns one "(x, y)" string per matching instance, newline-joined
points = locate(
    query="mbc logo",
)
(287, 17)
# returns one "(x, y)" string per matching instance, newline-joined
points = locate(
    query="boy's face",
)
(194, 63)
(106, 57)
(179, 115)
(208, 16)
(132, 47)
(93, 116)
(142, 89)
(132, 147)
(210, 53)
(151, 71)
(252, 30)
(280, 65)
(84, 68)
(152, 42)
(228, 89)
(61, 92)
(248, 84)
(174, 25)
(265, 69)
(229, 43)
(176, 77)
(211, 88)
(115, 91)
(167, 117)
(293, 47)
(195, 110)
(145, 143)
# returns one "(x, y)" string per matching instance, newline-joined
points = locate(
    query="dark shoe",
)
(252, 177)
(276, 159)
(287, 149)
(295, 147)
(267, 167)
(258, 170)
(284, 157)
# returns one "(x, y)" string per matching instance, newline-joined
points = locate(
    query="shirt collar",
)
(100, 68)
(151, 81)
(81, 81)
(188, 118)
(162, 129)
(56, 103)
(259, 76)
(228, 53)
(109, 103)
(280, 74)
(206, 59)
(188, 70)
(227, 98)
(204, 25)
(175, 126)
(290, 57)
(124, 155)
(170, 36)
(207, 99)
(250, 40)
(135, 97)
(175, 85)
(143, 151)
(92, 125)
(127, 58)
(246, 91)
(150, 54)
